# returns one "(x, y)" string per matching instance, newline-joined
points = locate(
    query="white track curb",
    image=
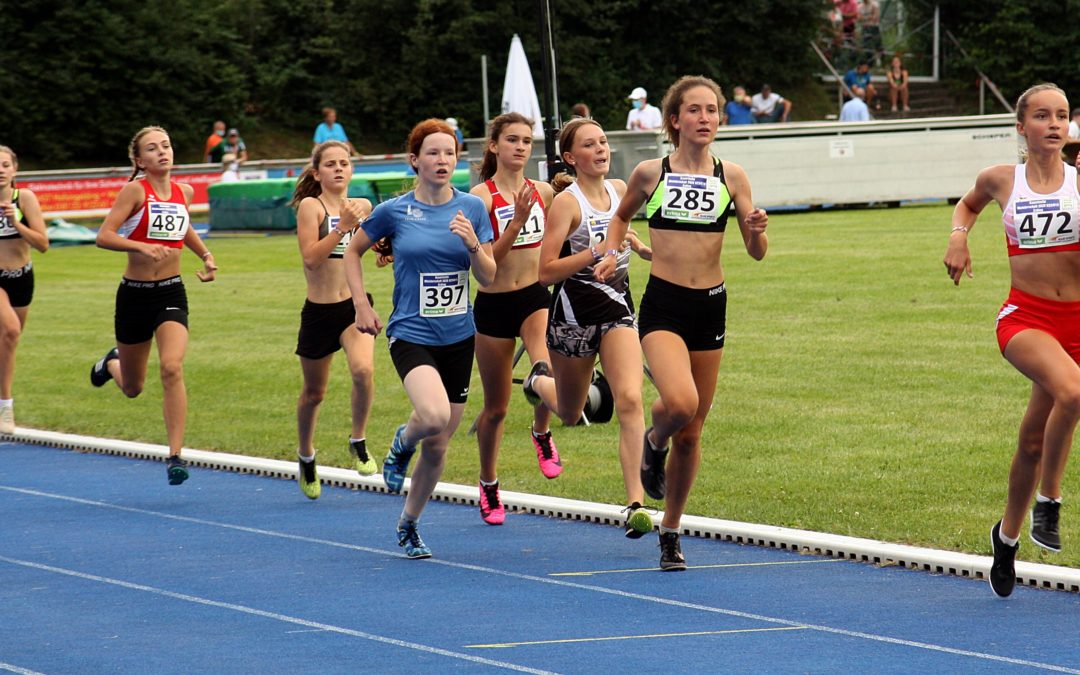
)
(801, 541)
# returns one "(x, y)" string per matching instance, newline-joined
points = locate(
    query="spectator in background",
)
(859, 78)
(330, 130)
(580, 110)
(452, 123)
(849, 16)
(768, 106)
(642, 116)
(870, 30)
(234, 145)
(898, 84)
(855, 109)
(216, 138)
(737, 110)
(1074, 124)
(230, 168)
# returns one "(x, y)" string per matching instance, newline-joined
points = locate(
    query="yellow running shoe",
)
(308, 478)
(365, 463)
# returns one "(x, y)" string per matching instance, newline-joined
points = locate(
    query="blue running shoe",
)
(397, 462)
(176, 469)
(409, 538)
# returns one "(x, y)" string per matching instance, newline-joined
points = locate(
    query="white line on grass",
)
(559, 582)
(270, 615)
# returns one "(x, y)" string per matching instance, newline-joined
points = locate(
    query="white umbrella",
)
(519, 93)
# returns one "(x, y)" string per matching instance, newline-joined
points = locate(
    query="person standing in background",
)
(331, 130)
(216, 138)
(642, 116)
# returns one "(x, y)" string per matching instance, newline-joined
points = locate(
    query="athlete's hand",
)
(958, 257)
(523, 203)
(367, 319)
(155, 252)
(8, 210)
(603, 270)
(463, 228)
(352, 214)
(637, 246)
(757, 220)
(208, 270)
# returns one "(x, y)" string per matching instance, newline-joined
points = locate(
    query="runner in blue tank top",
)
(435, 234)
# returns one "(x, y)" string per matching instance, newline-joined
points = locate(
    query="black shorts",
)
(19, 285)
(454, 363)
(142, 306)
(698, 316)
(500, 315)
(321, 326)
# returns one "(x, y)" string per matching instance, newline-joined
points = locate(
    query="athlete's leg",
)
(620, 355)
(431, 405)
(316, 374)
(172, 339)
(430, 464)
(669, 362)
(1026, 463)
(360, 352)
(572, 378)
(129, 368)
(534, 336)
(12, 321)
(494, 361)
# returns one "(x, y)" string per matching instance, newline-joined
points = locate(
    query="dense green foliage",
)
(80, 77)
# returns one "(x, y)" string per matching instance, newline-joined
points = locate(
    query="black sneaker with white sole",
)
(540, 368)
(671, 557)
(176, 469)
(1003, 570)
(1044, 525)
(99, 372)
(653, 470)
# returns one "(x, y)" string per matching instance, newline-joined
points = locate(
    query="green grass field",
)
(861, 393)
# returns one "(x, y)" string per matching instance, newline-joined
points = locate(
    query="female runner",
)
(437, 234)
(1038, 327)
(515, 304)
(683, 311)
(149, 221)
(325, 221)
(21, 226)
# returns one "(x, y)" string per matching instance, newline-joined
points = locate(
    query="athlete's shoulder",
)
(468, 200)
(996, 176)
(188, 191)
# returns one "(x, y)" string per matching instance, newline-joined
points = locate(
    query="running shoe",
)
(365, 465)
(1044, 525)
(397, 462)
(7, 419)
(308, 478)
(176, 469)
(99, 372)
(409, 538)
(539, 368)
(671, 557)
(638, 522)
(547, 455)
(653, 477)
(1003, 570)
(491, 507)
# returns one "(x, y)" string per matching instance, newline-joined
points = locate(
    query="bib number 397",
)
(444, 294)
(166, 221)
(690, 197)
(1046, 222)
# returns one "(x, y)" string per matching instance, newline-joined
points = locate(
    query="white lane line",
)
(15, 669)
(565, 584)
(271, 615)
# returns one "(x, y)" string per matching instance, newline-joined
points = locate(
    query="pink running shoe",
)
(547, 455)
(491, 508)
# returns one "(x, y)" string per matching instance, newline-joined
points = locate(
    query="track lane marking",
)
(504, 645)
(696, 567)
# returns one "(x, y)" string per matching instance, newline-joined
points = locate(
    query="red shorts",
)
(1023, 311)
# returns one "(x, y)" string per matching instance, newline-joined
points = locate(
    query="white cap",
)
(452, 122)
(639, 92)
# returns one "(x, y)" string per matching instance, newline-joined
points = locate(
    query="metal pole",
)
(549, 107)
(483, 75)
(937, 42)
(982, 96)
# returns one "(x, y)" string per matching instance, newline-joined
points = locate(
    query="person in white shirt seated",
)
(855, 110)
(768, 106)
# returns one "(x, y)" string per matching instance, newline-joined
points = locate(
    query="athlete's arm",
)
(752, 220)
(34, 231)
(129, 199)
(642, 180)
(988, 186)
(480, 258)
(563, 217)
(501, 246)
(367, 319)
(193, 241)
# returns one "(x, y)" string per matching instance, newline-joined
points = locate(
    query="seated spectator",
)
(737, 110)
(898, 84)
(580, 110)
(642, 115)
(216, 138)
(855, 109)
(768, 106)
(859, 76)
(330, 130)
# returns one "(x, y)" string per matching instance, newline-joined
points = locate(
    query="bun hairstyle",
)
(306, 185)
(490, 162)
(563, 179)
(133, 148)
(674, 97)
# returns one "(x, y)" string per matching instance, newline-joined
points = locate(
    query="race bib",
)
(1045, 222)
(339, 250)
(166, 221)
(7, 228)
(597, 230)
(444, 294)
(531, 232)
(692, 198)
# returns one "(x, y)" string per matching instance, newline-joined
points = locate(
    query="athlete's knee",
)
(1067, 400)
(10, 331)
(687, 439)
(628, 403)
(363, 375)
(494, 414)
(680, 409)
(131, 389)
(312, 395)
(172, 372)
(431, 420)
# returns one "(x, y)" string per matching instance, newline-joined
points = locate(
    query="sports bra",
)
(689, 202)
(502, 212)
(7, 228)
(1041, 223)
(159, 221)
(328, 223)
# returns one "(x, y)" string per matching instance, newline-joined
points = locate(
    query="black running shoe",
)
(653, 477)
(176, 469)
(1003, 571)
(671, 557)
(1044, 525)
(99, 372)
(539, 368)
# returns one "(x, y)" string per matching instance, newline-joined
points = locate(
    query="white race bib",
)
(1045, 222)
(444, 294)
(691, 197)
(339, 250)
(7, 228)
(533, 229)
(166, 221)
(597, 230)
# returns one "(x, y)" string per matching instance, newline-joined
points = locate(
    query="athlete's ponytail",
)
(133, 148)
(490, 163)
(306, 185)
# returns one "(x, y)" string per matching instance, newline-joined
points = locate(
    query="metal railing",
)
(841, 86)
(984, 81)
